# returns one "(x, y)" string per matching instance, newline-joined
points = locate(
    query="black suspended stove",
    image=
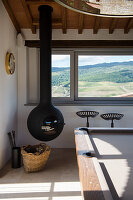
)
(45, 122)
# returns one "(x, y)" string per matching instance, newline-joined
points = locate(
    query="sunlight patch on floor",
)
(67, 186)
(24, 188)
(27, 198)
(68, 198)
(41, 191)
(46, 198)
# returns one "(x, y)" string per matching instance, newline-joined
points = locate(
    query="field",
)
(100, 80)
(104, 89)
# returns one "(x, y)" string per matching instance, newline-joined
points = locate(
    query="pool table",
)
(105, 161)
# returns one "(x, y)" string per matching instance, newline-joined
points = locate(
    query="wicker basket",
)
(35, 162)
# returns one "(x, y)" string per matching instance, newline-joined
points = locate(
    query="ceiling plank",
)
(38, 2)
(81, 23)
(11, 15)
(113, 24)
(28, 15)
(64, 20)
(128, 26)
(33, 27)
(96, 25)
(55, 22)
(71, 19)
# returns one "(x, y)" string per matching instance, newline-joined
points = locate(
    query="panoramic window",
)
(92, 76)
(105, 76)
(60, 75)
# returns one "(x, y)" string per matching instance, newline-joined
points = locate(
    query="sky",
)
(64, 60)
(91, 60)
(60, 60)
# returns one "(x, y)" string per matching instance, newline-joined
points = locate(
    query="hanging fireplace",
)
(45, 122)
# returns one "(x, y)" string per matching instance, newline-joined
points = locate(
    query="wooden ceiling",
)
(24, 14)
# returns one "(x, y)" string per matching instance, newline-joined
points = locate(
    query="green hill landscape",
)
(99, 80)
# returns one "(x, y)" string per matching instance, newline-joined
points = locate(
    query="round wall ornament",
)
(10, 63)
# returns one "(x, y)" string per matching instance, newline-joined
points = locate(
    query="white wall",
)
(66, 139)
(8, 85)
(72, 34)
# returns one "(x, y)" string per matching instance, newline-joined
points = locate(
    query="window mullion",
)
(72, 75)
(76, 76)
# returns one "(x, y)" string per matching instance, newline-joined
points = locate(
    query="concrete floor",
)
(58, 181)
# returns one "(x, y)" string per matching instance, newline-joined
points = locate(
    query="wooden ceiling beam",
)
(96, 25)
(55, 22)
(128, 26)
(33, 28)
(11, 15)
(64, 20)
(39, 2)
(113, 24)
(83, 43)
(81, 23)
(28, 15)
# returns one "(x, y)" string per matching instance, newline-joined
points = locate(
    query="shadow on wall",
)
(116, 159)
(9, 124)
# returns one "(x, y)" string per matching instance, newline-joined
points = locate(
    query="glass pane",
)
(105, 76)
(60, 75)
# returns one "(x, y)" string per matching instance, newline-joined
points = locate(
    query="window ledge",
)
(89, 103)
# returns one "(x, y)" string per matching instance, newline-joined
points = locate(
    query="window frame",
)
(74, 99)
(86, 101)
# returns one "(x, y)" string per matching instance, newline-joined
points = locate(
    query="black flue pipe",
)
(45, 122)
(45, 53)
